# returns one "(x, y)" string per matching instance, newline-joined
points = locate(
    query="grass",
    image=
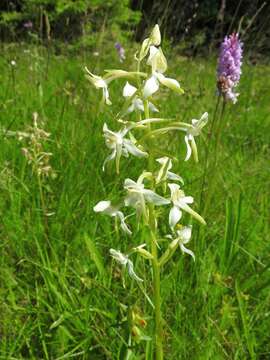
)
(61, 295)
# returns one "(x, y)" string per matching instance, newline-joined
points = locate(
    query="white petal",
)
(174, 216)
(187, 199)
(106, 98)
(130, 109)
(133, 149)
(189, 151)
(174, 177)
(138, 104)
(129, 90)
(109, 158)
(173, 188)
(152, 107)
(129, 183)
(154, 198)
(150, 87)
(123, 225)
(192, 213)
(157, 60)
(185, 234)
(102, 206)
(169, 83)
(119, 257)
(145, 47)
(187, 251)
(155, 36)
(152, 53)
(132, 199)
(131, 271)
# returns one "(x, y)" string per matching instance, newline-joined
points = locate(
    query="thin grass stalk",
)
(215, 161)
(208, 145)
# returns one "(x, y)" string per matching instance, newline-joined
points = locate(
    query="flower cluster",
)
(229, 67)
(151, 188)
(36, 156)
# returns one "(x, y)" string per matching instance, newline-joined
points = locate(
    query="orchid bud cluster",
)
(158, 186)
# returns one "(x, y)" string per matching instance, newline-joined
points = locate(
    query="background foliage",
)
(196, 25)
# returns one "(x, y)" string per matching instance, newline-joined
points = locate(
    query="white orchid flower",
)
(100, 83)
(138, 196)
(165, 173)
(158, 63)
(136, 103)
(181, 202)
(183, 236)
(193, 131)
(116, 142)
(106, 207)
(123, 260)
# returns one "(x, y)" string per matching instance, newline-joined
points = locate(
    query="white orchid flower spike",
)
(181, 202)
(194, 130)
(116, 142)
(123, 260)
(158, 63)
(165, 173)
(106, 207)
(138, 196)
(183, 236)
(136, 103)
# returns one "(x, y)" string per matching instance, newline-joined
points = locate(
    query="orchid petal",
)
(123, 225)
(185, 234)
(102, 206)
(193, 213)
(131, 271)
(150, 87)
(109, 158)
(138, 104)
(152, 107)
(133, 149)
(189, 151)
(174, 216)
(129, 90)
(155, 36)
(154, 198)
(174, 177)
(173, 188)
(169, 83)
(187, 251)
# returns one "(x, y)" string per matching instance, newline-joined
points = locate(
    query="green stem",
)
(206, 161)
(156, 268)
(212, 171)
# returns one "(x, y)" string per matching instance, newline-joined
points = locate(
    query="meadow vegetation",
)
(61, 294)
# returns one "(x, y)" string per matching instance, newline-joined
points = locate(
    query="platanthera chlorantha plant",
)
(156, 197)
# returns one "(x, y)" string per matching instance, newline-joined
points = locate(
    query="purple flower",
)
(229, 67)
(28, 25)
(121, 51)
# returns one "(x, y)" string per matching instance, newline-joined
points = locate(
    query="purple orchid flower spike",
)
(121, 51)
(229, 67)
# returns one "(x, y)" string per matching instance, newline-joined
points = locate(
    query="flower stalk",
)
(157, 186)
(155, 264)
